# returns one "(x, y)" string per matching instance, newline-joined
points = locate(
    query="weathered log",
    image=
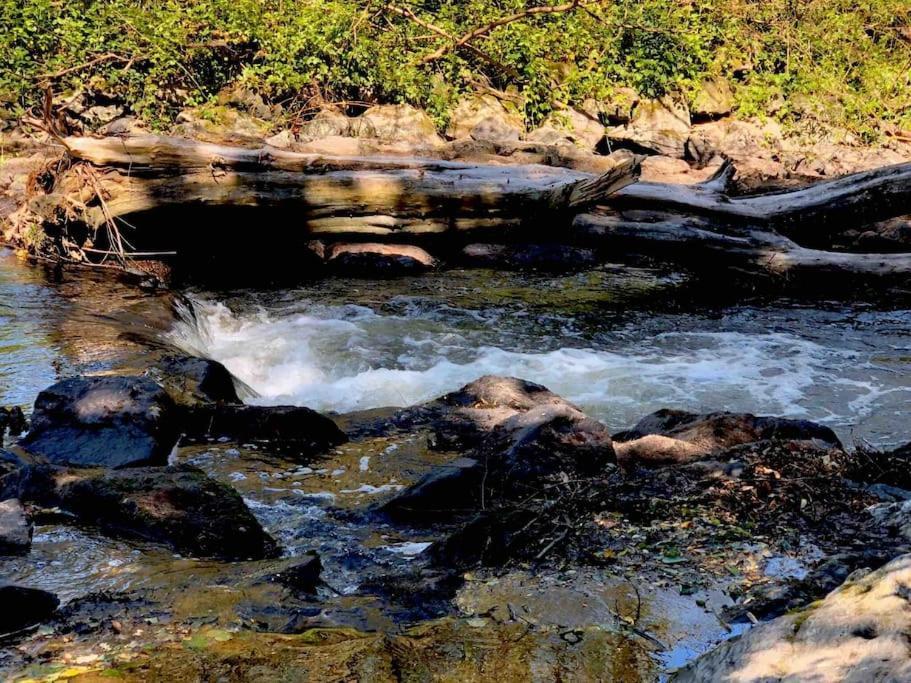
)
(355, 194)
(701, 244)
(812, 211)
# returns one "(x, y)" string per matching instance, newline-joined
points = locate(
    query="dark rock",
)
(491, 538)
(103, 421)
(289, 429)
(10, 462)
(15, 528)
(178, 506)
(522, 436)
(674, 436)
(303, 576)
(191, 381)
(12, 420)
(24, 607)
(378, 260)
(544, 257)
(445, 491)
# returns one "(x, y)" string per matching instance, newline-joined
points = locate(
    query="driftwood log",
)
(777, 235)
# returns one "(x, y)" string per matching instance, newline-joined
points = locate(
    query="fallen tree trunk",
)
(700, 244)
(810, 212)
(329, 194)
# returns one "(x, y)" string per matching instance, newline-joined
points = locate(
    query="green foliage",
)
(829, 61)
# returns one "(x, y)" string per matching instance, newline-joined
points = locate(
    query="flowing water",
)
(619, 342)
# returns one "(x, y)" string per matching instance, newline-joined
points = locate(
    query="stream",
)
(618, 342)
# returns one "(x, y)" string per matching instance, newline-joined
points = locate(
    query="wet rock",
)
(713, 100)
(398, 123)
(543, 257)
(192, 381)
(378, 260)
(484, 117)
(447, 490)
(857, 633)
(10, 462)
(288, 429)
(177, 506)
(525, 437)
(656, 127)
(103, 421)
(669, 437)
(303, 575)
(24, 607)
(15, 528)
(12, 421)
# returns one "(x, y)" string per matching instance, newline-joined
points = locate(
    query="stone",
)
(397, 123)
(192, 381)
(9, 461)
(125, 125)
(291, 430)
(713, 100)
(550, 135)
(378, 260)
(303, 575)
(15, 528)
(103, 421)
(12, 421)
(857, 633)
(484, 117)
(516, 433)
(582, 129)
(656, 127)
(542, 257)
(618, 109)
(669, 437)
(177, 506)
(24, 607)
(662, 169)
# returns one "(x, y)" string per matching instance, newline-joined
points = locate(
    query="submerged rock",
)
(103, 421)
(545, 257)
(178, 506)
(15, 528)
(24, 607)
(289, 429)
(369, 259)
(668, 437)
(191, 381)
(857, 633)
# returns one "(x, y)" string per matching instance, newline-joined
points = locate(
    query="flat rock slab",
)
(857, 633)
(15, 528)
(103, 421)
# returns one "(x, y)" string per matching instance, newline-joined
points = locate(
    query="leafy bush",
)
(832, 61)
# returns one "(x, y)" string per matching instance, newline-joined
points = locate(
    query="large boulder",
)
(668, 437)
(103, 421)
(581, 128)
(24, 607)
(192, 381)
(292, 430)
(15, 528)
(713, 100)
(656, 127)
(484, 117)
(176, 506)
(857, 633)
(368, 259)
(397, 123)
(518, 435)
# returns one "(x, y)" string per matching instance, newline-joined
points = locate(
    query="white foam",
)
(349, 358)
